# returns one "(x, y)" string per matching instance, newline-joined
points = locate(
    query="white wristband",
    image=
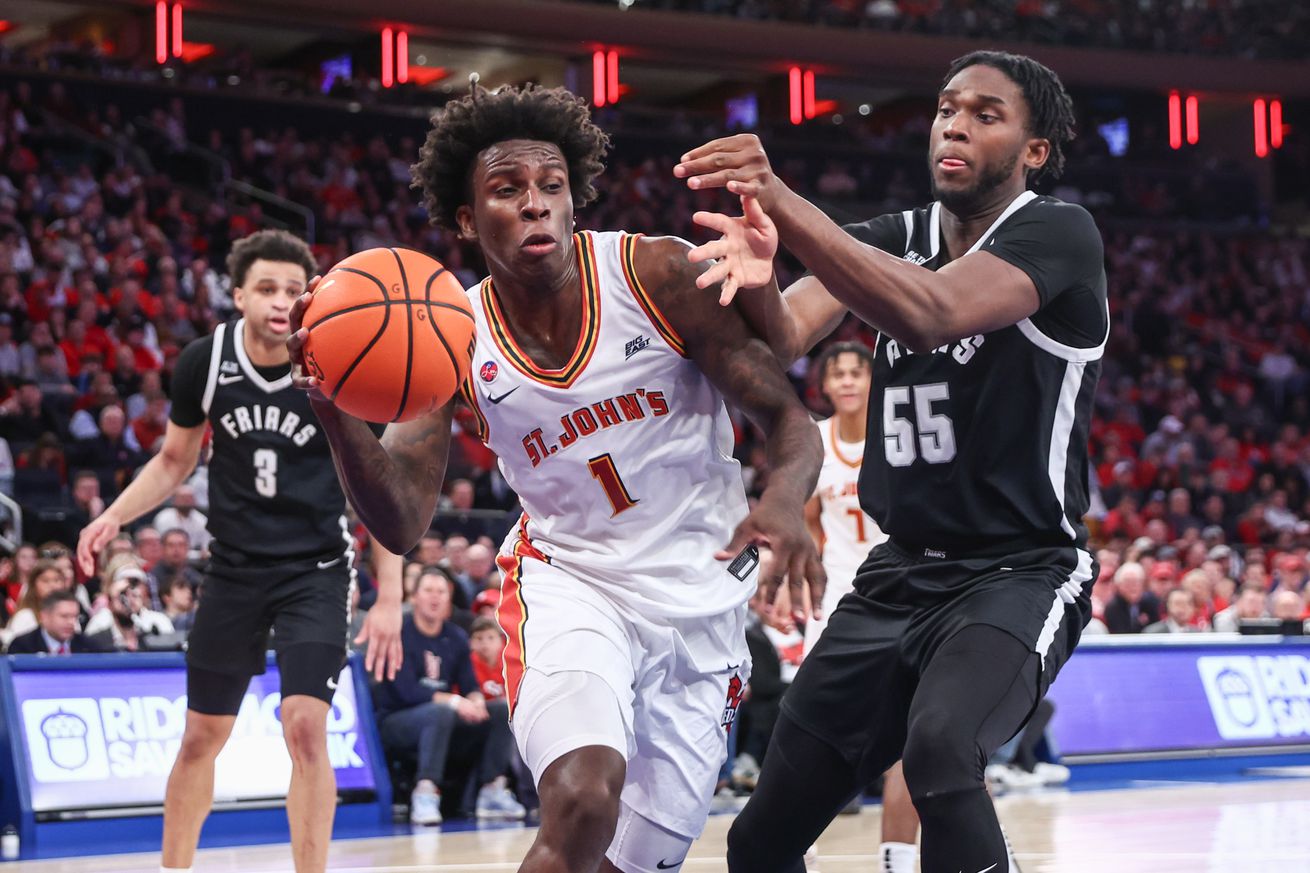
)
(453, 702)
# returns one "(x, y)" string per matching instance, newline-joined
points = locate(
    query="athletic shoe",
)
(724, 800)
(495, 800)
(425, 807)
(745, 771)
(1011, 778)
(1051, 774)
(812, 859)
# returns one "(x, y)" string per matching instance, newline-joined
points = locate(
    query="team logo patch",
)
(635, 345)
(736, 690)
(489, 371)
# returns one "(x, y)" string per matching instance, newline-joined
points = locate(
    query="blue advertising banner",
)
(1184, 696)
(103, 738)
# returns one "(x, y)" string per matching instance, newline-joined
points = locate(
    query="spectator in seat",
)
(174, 560)
(125, 622)
(479, 574)
(1287, 606)
(1251, 603)
(434, 708)
(26, 415)
(1133, 607)
(113, 454)
(487, 642)
(1179, 611)
(46, 579)
(58, 633)
(179, 601)
(182, 515)
(430, 550)
(10, 362)
(458, 519)
(148, 547)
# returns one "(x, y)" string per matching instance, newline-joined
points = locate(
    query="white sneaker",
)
(425, 807)
(724, 801)
(1051, 774)
(495, 800)
(1011, 778)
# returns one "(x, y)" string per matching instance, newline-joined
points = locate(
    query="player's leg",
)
(570, 729)
(312, 797)
(900, 824)
(976, 691)
(213, 700)
(310, 616)
(842, 724)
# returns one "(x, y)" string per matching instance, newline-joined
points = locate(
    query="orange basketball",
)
(390, 335)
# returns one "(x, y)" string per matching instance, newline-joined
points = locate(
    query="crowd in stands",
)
(1242, 28)
(1200, 449)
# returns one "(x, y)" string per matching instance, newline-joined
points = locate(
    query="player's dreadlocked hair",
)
(463, 128)
(1050, 111)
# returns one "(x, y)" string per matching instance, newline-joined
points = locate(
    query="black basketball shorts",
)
(855, 688)
(304, 604)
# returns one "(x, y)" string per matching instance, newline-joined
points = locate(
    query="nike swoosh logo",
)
(495, 400)
(332, 685)
(661, 865)
(985, 869)
(228, 380)
(323, 565)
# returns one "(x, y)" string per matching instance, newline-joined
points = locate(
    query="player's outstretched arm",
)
(381, 631)
(741, 366)
(743, 258)
(921, 308)
(157, 480)
(392, 482)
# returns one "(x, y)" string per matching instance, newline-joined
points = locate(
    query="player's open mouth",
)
(951, 164)
(281, 325)
(539, 244)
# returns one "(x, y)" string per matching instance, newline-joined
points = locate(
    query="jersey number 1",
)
(936, 432)
(266, 472)
(604, 472)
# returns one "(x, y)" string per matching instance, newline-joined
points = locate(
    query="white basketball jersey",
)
(622, 458)
(848, 534)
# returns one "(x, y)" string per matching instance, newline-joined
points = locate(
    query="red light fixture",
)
(1175, 120)
(797, 105)
(598, 78)
(161, 32)
(1193, 126)
(1261, 128)
(605, 86)
(402, 57)
(177, 30)
(808, 96)
(802, 104)
(388, 64)
(1276, 124)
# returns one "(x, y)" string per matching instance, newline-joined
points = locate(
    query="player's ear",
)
(239, 299)
(1035, 155)
(464, 217)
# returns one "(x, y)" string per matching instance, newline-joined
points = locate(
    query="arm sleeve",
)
(1056, 244)
(188, 385)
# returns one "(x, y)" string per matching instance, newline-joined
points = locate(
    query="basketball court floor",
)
(1240, 826)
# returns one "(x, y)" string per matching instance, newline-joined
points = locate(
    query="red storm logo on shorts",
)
(736, 690)
(489, 371)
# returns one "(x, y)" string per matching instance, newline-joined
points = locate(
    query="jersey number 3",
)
(935, 441)
(266, 472)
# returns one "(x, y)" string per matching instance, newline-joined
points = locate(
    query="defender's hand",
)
(383, 654)
(743, 254)
(302, 376)
(737, 163)
(795, 559)
(94, 537)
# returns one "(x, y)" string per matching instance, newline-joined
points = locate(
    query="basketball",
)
(390, 335)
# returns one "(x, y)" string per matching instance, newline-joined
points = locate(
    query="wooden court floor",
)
(1238, 827)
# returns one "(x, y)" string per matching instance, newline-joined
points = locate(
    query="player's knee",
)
(583, 797)
(941, 754)
(203, 737)
(747, 853)
(305, 730)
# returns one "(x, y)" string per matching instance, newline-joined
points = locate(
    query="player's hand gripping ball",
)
(390, 335)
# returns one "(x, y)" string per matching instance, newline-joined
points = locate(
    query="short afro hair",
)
(268, 245)
(1050, 111)
(464, 128)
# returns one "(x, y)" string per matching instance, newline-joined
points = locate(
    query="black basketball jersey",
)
(982, 443)
(273, 491)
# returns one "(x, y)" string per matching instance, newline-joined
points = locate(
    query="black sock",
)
(961, 833)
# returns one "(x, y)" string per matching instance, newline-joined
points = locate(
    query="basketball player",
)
(991, 307)
(599, 380)
(281, 554)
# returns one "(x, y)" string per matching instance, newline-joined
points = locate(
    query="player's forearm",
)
(388, 572)
(795, 454)
(393, 503)
(766, 311)
(152, 486)
(896, 297)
